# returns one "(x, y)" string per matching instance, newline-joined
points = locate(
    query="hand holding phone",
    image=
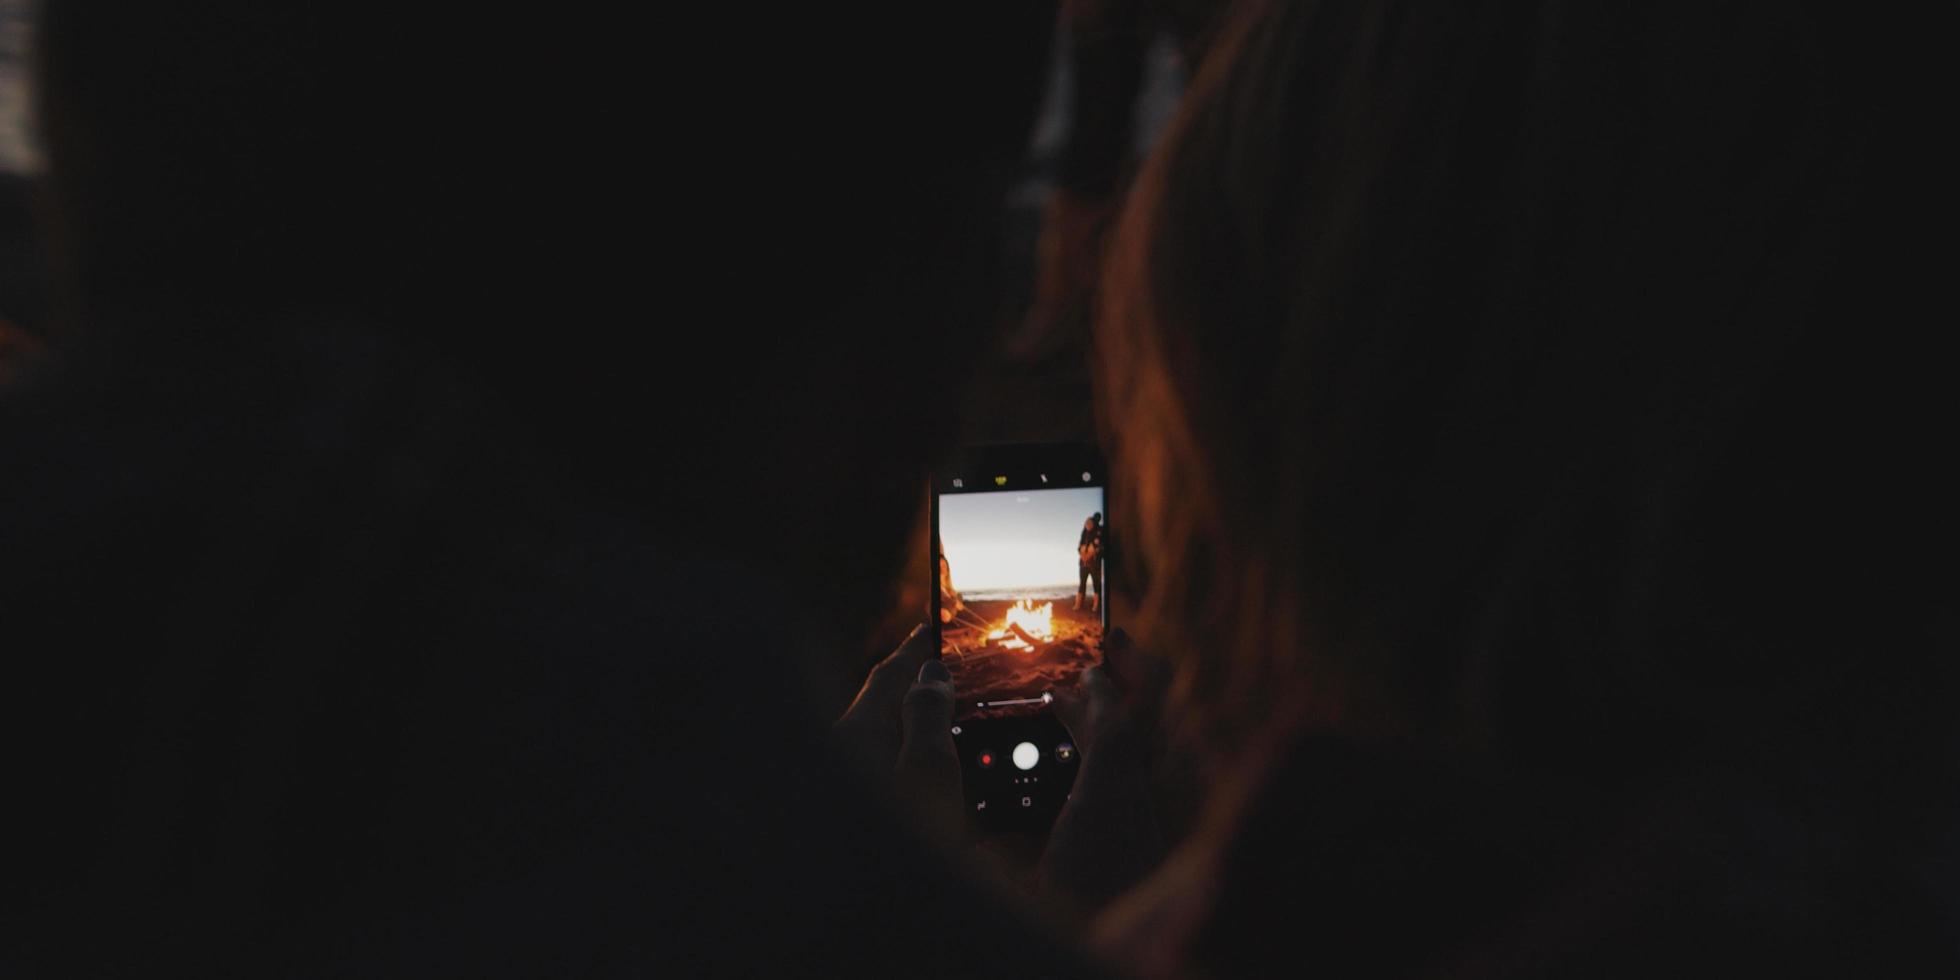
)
(899, 724)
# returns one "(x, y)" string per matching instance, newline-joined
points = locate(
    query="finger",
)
(887, 683)
(1091, 711)
(894, 674)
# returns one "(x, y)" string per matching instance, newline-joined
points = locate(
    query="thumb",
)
(928, 771)
(926, 715)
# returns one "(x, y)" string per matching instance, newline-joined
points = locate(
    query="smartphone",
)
(1019, 607)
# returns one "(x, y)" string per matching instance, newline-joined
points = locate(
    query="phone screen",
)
(1020, 539)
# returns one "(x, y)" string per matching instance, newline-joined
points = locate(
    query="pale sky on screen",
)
(1014, 538)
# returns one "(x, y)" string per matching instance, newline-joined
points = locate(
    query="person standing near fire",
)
(1089, 549)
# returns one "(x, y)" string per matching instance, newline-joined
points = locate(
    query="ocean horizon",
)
(1043, 592)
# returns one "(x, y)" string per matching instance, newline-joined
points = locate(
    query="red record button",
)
(986, 760)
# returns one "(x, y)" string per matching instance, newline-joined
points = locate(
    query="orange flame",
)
(1036, 622)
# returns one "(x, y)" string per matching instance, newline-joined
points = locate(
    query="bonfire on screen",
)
(1020, 595)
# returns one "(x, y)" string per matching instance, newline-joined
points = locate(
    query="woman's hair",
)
(1517, 377)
